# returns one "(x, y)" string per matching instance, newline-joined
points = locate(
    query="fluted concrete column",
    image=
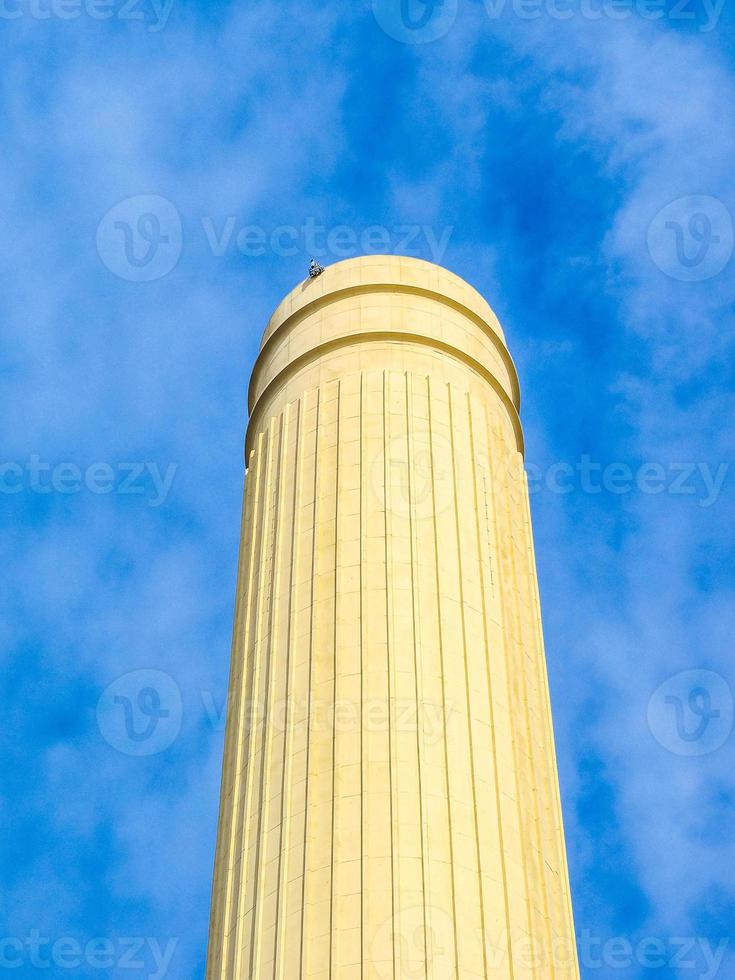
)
(389, 805)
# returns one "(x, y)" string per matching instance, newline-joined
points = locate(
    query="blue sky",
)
(574, 162)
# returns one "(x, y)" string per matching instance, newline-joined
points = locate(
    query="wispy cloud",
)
(549, 148)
